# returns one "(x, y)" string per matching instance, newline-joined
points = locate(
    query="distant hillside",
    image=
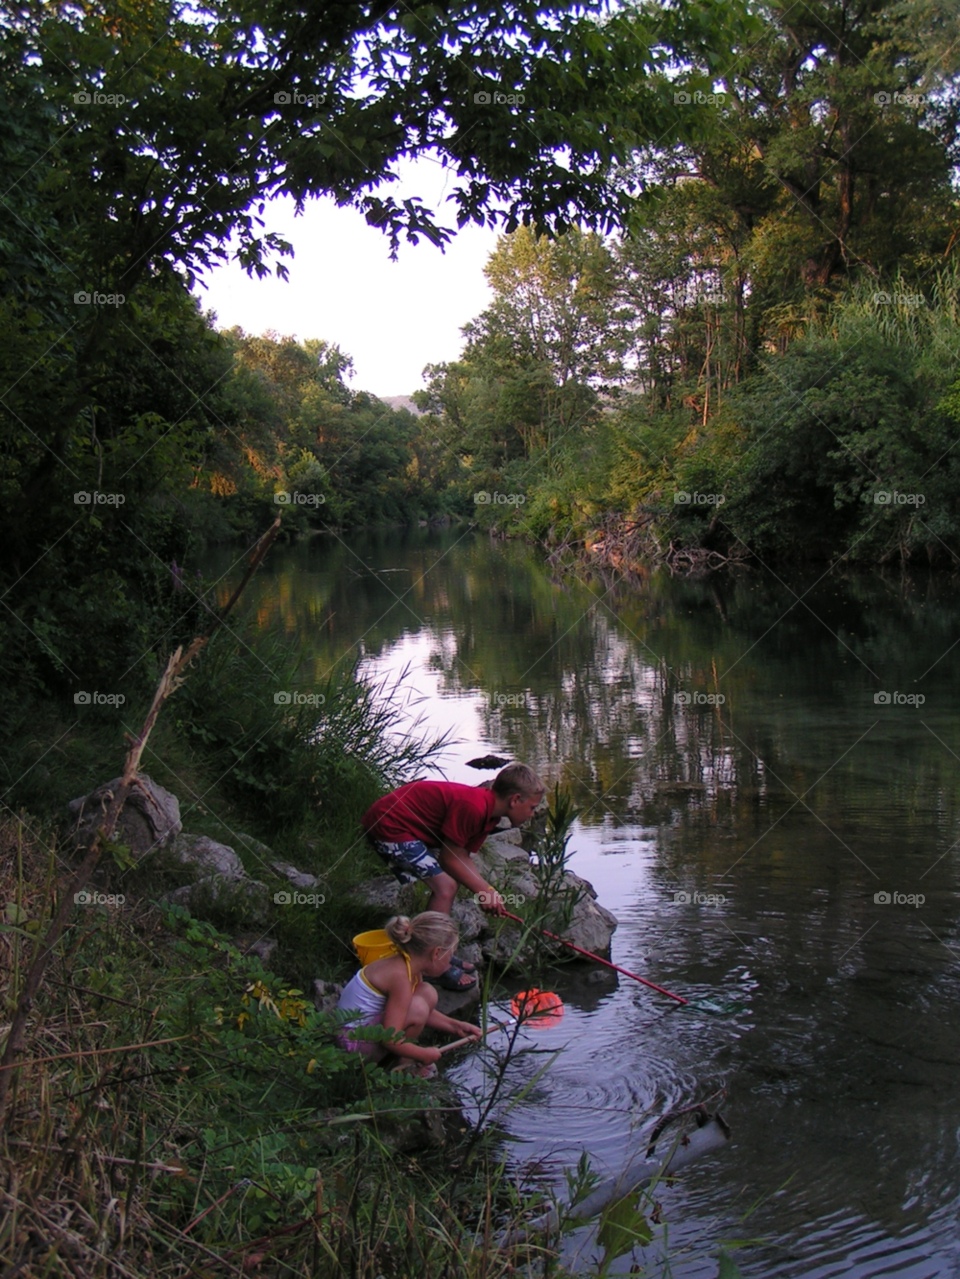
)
(400, 402)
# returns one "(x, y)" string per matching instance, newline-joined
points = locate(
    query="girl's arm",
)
(396, 1014)
(440, 1021)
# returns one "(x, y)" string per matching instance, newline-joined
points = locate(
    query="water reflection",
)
(788, 806)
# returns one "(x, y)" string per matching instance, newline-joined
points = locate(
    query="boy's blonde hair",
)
(517, 778)
(418, 935)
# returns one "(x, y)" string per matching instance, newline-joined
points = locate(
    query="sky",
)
(391, 318)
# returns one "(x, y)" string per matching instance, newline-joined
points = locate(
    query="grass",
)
(181, 1110)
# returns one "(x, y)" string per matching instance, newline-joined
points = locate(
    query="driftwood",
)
(631, 546)
(712, 1134)
(170, 681)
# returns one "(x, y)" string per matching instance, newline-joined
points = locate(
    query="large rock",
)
(591, 925)
(244, 898)
(385, 896)
(207, 856)
(468, 917)
(150, 818)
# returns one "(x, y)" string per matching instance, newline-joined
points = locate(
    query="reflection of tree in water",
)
(599, 665)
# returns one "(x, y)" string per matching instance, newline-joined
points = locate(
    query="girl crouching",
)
(391, 992)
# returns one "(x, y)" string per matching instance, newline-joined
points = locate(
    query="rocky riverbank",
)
(215, 878)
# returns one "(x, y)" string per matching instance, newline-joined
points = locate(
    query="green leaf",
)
(728, 1268)
(622, 1227)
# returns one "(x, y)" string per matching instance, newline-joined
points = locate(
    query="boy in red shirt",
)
(428, 830)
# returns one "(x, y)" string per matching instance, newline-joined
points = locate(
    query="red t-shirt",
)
(432, 811)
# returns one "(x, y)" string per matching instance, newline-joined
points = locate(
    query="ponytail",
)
(422, 933)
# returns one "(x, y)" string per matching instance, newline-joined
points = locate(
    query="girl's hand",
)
(468, 1028)
(429, 1055)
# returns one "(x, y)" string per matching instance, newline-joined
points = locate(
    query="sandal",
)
(463, 964)
(453, 979)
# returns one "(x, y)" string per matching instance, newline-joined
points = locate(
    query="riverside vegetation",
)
(180, 1107)
(728, 272)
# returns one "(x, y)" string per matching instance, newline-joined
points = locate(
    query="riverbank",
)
(183, 1094)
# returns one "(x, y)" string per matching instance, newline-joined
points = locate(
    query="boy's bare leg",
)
(443, 889)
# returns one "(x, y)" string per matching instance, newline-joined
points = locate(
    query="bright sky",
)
(392, 318)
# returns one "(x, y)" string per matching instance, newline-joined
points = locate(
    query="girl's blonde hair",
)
(418, 935)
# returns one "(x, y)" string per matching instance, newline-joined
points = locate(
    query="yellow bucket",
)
(373, 945)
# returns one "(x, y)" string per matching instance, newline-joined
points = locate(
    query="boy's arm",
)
(458, 863)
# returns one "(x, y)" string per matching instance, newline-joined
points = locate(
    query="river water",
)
(746, 847)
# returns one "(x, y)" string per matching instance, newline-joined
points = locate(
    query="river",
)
(792, 848)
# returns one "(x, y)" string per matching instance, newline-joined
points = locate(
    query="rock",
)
(453, 1002)
(299, 878)
(508, 835)
(405, 1136)
(469, 918)
(263, 948)
(260, 852)
(509, 844)
(150, 818)
(209, 857)
(386, 896)
(326, 995)
(591, 927)
(470, 952)
(247, 898)
(488, 761)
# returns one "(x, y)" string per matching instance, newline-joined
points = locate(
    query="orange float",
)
(540, 1006)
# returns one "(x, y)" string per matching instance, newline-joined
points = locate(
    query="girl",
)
(391, 992)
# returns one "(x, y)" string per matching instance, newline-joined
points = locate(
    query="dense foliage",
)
(137, 140)
(767, 358)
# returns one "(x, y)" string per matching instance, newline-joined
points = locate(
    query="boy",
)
(428, 830)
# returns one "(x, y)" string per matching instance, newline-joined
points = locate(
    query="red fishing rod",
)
(597, 960)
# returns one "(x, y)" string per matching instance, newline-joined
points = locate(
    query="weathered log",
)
(712, 1135)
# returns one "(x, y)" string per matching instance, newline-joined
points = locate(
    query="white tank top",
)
(359, 993)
